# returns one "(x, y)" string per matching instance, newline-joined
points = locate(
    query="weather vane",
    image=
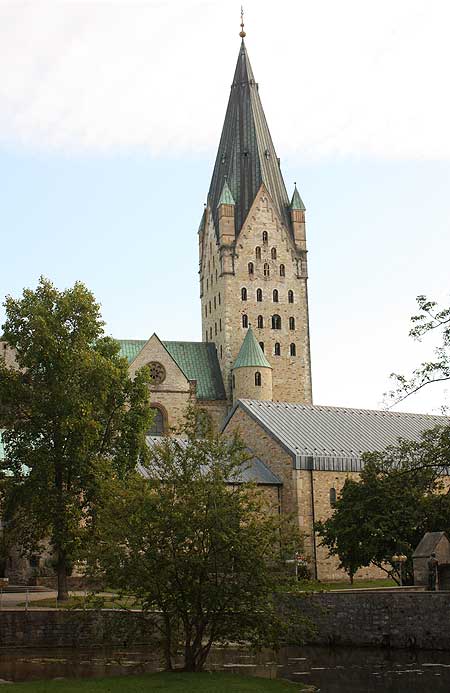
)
(242, 33)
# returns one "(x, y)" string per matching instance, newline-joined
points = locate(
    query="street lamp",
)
(398, 560)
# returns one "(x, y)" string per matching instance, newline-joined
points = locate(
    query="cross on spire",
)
(242, 33)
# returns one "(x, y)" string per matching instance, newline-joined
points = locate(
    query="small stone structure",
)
(432, 542)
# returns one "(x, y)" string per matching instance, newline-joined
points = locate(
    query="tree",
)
(72, 415)
(432, 319)
(198, 548)
(399, 496)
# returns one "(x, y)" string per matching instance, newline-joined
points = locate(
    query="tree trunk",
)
(61, 573)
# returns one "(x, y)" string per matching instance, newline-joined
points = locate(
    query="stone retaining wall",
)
(379, 619)
(359, 618)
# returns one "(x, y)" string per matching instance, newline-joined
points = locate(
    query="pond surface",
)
(336, 670)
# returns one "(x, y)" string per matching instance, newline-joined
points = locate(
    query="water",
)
(337, 670)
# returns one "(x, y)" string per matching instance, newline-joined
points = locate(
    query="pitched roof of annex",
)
(334, 438)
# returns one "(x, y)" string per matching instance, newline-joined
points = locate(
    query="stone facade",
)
(229, 297)
(304, 494)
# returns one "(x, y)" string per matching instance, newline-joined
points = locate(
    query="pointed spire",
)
(297, 202)
(251, 354)
(226, 198)
(246, 154)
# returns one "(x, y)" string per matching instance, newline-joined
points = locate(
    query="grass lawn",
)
(168, 683)
(313, 586)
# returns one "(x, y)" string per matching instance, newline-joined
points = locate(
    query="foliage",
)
(197, 546)
(170, 683)
(432, 319)
(400, 495)
(71, 414)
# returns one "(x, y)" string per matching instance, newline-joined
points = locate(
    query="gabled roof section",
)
(428, 544)
(246, 157)
(254, 470)
(334, 438)
(297, 202)
(250, 353)
(226, 197)
(197, 360)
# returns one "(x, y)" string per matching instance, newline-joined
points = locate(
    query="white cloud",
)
(353, 78)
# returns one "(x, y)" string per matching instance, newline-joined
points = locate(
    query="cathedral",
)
(251, 371)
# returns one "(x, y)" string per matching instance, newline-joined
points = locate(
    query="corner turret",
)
(252, 373)
(298, 220)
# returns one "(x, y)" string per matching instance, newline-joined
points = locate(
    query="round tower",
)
(251, 373)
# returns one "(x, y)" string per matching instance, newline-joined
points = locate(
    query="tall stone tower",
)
(252, 247)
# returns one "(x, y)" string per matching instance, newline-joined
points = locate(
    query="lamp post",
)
(398, 560)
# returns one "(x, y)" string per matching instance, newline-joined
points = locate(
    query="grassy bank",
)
(166, 683)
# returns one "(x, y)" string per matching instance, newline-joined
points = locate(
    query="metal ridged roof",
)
(226, 197)
(334, 432)
(250, 353)
(297, 202)
(254, 470)
(246, 156)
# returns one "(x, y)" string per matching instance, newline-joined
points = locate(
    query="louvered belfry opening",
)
(246, 156)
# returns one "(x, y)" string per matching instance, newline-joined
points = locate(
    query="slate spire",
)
(246, 156)
(297, 202)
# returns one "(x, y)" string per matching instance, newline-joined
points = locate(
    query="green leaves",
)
(72, 415)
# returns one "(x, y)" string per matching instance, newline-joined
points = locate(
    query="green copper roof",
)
(297, 202)
(226, 197)
(197, 360)
(251, 353)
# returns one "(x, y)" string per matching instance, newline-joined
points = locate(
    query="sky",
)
(110, 117)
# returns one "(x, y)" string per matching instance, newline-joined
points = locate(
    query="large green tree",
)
(202, 551)
(72, 417)
(400, 495)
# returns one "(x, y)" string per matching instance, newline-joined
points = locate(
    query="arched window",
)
(275, 296)
(210, 307)
(277, 350)
(260, 321)
(290, 296)
(221, 352)
(332, 497)
(261, 344)
(258, 253)
(258, 379)
(234, 381)
(266, 269)
(250, 267)
(216, 275)
(276, 322)
(282, 271)
(273, 253)
(292, 350)
(292, 323)
(157, 426)
(245, 321)
(207, 284)
(259, 294)
(244, 293)
(220, 324)
(265, 237)
(215, 303)
(215, 329)
(206, 310)
(219, 298)
(210, 332)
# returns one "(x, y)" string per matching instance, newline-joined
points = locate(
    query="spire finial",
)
(242, 33)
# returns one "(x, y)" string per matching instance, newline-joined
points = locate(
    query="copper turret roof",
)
(246, 156)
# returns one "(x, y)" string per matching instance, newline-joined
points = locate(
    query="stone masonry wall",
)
(226, 274)
(382, 619)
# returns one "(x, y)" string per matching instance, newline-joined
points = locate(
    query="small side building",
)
(431, 542)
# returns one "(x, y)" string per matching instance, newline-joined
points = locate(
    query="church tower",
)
(252, 248)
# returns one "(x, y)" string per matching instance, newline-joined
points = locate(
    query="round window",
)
(157, 372)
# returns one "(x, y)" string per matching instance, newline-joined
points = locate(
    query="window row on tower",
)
(273, 253)
(275, 320)
(277, 349)
(266, 268)
(259, 295)
(216, 302)
(219, 326)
